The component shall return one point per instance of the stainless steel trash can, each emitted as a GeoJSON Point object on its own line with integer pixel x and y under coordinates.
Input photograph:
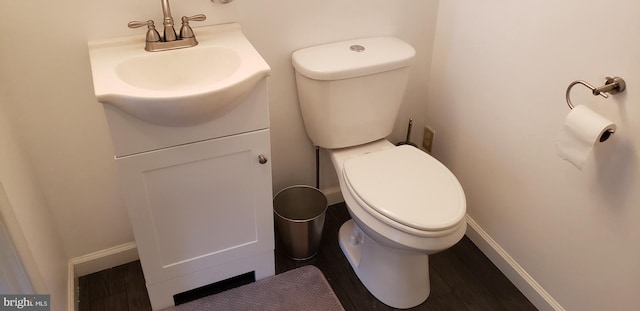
{"type": "Point", "coordinates": [299, 215]}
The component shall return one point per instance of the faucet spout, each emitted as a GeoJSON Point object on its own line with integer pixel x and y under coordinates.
{"type": "Point", "coordinates": [169, 31]}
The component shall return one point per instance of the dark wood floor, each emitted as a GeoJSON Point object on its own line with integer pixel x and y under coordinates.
{"type": "Point", "coordinates": [462, 278]}
{"type": "Point", "coordinates": [119, 288]}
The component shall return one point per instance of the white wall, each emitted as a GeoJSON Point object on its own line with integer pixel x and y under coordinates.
{"type": "Point", "coordinates": [27, 217]}
{"type": "Point", "coordinates": [64, 131]}
{"type": "Point", "coordinates": [499, 74]}
{"type": "Point", "coordinates": [63, 127]}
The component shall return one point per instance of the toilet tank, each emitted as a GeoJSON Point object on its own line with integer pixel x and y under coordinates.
{"type": "Point", "coordinates": [350, 91]}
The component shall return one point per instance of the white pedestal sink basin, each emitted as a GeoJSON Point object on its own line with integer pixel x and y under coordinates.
{"type": "Point", "coordinates": [177, 87]}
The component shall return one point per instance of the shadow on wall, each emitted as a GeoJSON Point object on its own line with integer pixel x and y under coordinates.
{"type": "Point", "coordinates": [616, 168]}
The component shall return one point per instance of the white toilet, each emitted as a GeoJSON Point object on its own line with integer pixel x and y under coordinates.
{"type": "Point", "coordinates": [404, 204]}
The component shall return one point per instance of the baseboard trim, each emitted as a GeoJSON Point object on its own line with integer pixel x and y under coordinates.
{"type": "Point", "coordinates": [94, 262]}
{"type": "Point", "coordinates": [72, 288]}
{"type": "Point", "coordinates": [511, 269]}
{"type": "Point", "coordinates": [333, 194]}
{"type": "Point", "coordinates": [104, 259]}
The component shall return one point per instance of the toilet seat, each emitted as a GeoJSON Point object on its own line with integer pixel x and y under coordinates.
{"type": "Point", "coordinates": [407, 189]}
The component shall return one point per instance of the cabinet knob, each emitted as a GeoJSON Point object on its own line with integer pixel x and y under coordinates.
{"type": "Point", "coordinates": [262, 159]}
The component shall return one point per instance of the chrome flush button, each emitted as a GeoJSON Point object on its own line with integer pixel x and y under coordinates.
{"type": "Point", "coordinates": [357, 48]}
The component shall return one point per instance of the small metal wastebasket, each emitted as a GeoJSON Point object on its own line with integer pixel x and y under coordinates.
{"type": "Point", "coordinates": [299, 215]}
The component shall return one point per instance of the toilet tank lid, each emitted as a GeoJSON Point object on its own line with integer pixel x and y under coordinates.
{"type": "Point", "coordinates": [353, 58]}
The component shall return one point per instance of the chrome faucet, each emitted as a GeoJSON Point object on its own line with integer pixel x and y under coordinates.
{"type": "Point", "coordinates": [170, 40]}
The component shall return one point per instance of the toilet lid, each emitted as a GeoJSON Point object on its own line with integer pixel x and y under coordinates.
{"type": "Point", "coordinates": [408, 186]}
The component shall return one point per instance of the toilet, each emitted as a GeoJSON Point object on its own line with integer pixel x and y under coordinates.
{"type": "Point", "coordinates": [404, 204]}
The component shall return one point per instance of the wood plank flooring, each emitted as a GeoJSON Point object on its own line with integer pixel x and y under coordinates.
{"type": "Point", "coordinates": [462, 278]}
{"type": "Point", "coordinates": [119, 288]}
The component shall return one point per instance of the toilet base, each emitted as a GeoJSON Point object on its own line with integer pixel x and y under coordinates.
{"type": "Point", "coordinates": [398, 278]}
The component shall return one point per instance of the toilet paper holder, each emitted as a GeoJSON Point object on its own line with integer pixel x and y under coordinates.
{"type": "Point", "coordinates": [611, 86]}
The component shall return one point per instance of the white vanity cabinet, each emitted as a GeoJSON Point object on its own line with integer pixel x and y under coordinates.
{"type": "Point", "coordinates": [199, 198]}
{"type": "Point", "coordinates": [190, 131]}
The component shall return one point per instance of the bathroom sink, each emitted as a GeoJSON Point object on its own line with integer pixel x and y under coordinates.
{"type": "Point", "coordinates": [177, 87]}
{"type": "Point", "coordinates": [179, 71]}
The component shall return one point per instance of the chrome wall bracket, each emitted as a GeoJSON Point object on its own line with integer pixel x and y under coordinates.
{"type": "Point", "coordinates": [611, 86]}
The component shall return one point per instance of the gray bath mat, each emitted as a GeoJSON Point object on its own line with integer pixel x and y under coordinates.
{"type": "Point", "coordinates": [304, 288]}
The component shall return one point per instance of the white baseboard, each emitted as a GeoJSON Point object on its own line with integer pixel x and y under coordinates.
{"type": "Point", "coordinates": [94, 262]}
{"type": "Point", "coordinates": [105, 259]}
{"type": "Point", "coordinates": [511, 269]}
{"type": "Point", "coordinates": [333, 194]}
{"type": "Point", "coordinates": [72, 288]}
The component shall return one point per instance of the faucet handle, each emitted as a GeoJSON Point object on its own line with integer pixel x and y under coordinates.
{"type": "Point", "coordinates": [152, 33]}
{"type": "Point", "coordinates": [197, 18]}
{"type": "Point", "coordinates": [185, 30]}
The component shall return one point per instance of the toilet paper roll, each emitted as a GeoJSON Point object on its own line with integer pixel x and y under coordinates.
{"type": "Point", "coordinates": [582, 129]}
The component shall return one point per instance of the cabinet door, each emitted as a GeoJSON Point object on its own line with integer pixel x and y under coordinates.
{"type": "Point", "coordinates": [199, 205]}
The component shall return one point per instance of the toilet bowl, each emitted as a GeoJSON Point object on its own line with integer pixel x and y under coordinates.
{"type": "Point", "coordinates": [404, 204]}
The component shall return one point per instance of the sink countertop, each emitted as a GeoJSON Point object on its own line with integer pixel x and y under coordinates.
{"type": "Point", "coordinates": [178, 87]}
{"type": "Point", "coordinates": [122, 48]}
